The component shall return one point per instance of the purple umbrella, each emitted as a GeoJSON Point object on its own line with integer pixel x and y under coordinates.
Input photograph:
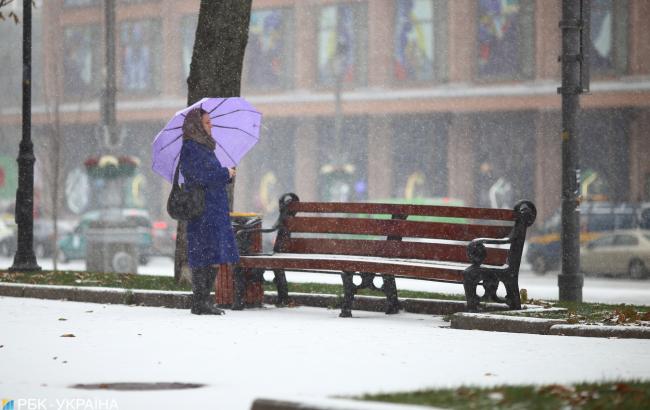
{"type": "Point", "coordinates": [235, 128]}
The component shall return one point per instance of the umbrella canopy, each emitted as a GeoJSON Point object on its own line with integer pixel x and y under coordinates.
{"type": "Point", "coordinates": [235, 129]}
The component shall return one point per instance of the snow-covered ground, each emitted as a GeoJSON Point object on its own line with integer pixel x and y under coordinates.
{"type": "Point", "coordinates": [308, 352]}
{"type": "Point", "coordinates": [605, 290]}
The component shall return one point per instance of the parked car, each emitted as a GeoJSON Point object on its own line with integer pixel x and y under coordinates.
{"type": "Point", "coordinates": [163, 235]}
{"type": "Point", "coordinates": [44, 236]}
{"type": "Point", "coordinates": [625, 252]}
{"type": "Point", "coordinates": [73, 245]}
{"type": "Point", "coordinates": [543, 252]}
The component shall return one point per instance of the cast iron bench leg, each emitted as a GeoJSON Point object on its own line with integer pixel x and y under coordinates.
{"type": "Point", "coordinates": [281, 285]}
{"type": "Point", "coordinates": [390, 290]}
{"type": "Point", "coordinates": [512, 292]}
{"type": "Point", "coordinates": [471, 278]}
{"type": "Point", "coordinates": [348, 296]}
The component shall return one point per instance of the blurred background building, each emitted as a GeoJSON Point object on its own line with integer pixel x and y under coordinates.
{"type": "Point", "coordinates": [370, 99]}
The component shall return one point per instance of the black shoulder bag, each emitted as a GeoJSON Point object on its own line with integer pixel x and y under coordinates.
{"type": "Point", "coordinates": [185, 203]}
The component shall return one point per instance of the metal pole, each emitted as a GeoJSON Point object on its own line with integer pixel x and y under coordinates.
{"type": "Point", "coordinates": [25, 260]}
{"type": "Point", "coordinates": [338, 88]}
{"type": "Point", "coordinates": [570, 281]}
{"type": "Point", "coordinates": [108, 110]}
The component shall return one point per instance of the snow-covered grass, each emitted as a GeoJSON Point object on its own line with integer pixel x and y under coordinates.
{"type": "Point", "coordinates": [276, 352]}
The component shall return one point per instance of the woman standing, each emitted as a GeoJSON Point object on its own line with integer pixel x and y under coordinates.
{"type": "Point", "coordinates": [210, 238]}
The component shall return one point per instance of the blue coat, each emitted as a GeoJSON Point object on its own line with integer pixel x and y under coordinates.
{"type": "Point", "coordinates": [210, 238]}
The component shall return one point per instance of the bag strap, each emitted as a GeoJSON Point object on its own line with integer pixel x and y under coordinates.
{"type": "Point", "coordinates": [175, 183]}
{"type": "Point", "coordinates": [178, 166]}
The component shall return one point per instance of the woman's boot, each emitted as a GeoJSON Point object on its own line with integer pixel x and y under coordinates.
{"type": "Point", "coordinates": [209, 302]}
{"type": "Point", "coordinates": [201, 305]}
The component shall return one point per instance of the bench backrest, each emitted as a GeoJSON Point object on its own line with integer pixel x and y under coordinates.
{"type": "Point", "coordinates": [391, 230]}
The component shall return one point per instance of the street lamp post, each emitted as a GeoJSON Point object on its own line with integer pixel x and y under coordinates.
{"type": "Point", "coordinates": [575, 80]}
{"type": "Point", "coordinates": [108, 119]}
{"type": "Point", "coordinates": [25, 260]}
{"type": "Point", "coordinates": [338, 89]}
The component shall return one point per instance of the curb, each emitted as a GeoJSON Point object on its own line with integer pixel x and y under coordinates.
{"type": "Point", "coordinates": [459, 319]}
{"type": "Point", "coordinates": [377, 303]}
{"type": "Point", "coordinates": [330, 404]}
{"type": "Point", "coordinates": [116, 296]}
{"type": "Point", "coordinates": [182, 300]}
{"type": "Point", "coordinates": [618, 332]}
{"type": "Point", "coordinates": [556, 327]}
{"type": "Point", "coordinates": [501, 323]}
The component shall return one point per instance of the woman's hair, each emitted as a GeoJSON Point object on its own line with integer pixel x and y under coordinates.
{"type": "Point", "coordinates": [193, 129]}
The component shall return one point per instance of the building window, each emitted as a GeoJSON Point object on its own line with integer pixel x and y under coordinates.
{"type": "Point", "coordinates": [505, 39]}
{"type": "Point", "coordinates": [342, 44]}
{"type": "Point", "coordinates": [268, 51]}
{"type": "Point", "coordinates": [140, 56]}
{"type": "Point", "coordinates": [420, 37]}
{"type": "Point", "coordinates": [81, 61]}
{"type": "Point", "coordinates": [188, 33]}
{"type": "Point", "coordinates": [608, 36]}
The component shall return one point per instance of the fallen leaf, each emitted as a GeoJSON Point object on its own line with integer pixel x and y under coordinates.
{"type": "Point", "coordinates": [68, 335]}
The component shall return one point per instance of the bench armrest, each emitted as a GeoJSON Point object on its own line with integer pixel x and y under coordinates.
{"type": "Point", "coordinates": [252, 230]}
{"type": "Point", "coordinates": [476, 251]}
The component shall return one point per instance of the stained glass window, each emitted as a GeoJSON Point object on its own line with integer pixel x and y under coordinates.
{"type": "Point", "coordinates": [81, 60]}
{"type": "Point", "coordinates": [414, 40]}
{"type": "Point", "coordinates": [504, 38]}
{"type": "Point", "coordinates": [341, 44]}
{"type": "Point", "coordinates": [139, 55]}
{"type": "Point", "coordinates": [267, 52]}
{"type": "Point", "coordinates": [608, 45]}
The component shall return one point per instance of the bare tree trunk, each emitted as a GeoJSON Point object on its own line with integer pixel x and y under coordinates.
{"type": "Point", "coordinates": [215, 71]}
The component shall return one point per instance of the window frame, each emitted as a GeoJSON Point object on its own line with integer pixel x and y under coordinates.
{"type": "Point", "coordinates": [360, 8]}
{"type": "Point", "coordinates": [526, 48]}
{"type": "Point", "coordinates": [94, 88]}
{"type": "Point", "coordinates": [287, 79]}
{"type": "Point", "coordinates": [440, 40]}
{"type": "Point", "coordinates": [620, 42]}
{"type": "Point", "coordinates": [156, 86]}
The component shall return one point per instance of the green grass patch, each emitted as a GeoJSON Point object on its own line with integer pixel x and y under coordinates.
{"type": "Point", "coordinates": [610, 395]}
{"type": "Point", "coordinates": [151, 282]}
{"type": "Point", "coordinates": [589, 313]}
{"type": "Point", "coordinates": [82, 278]}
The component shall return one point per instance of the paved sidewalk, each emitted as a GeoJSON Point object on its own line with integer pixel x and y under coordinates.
{"type": "Point", "coordinates": [271, 352]}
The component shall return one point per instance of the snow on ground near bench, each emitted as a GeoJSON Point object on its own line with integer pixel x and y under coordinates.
{"type": "Point", "coordinates": [276, 352]}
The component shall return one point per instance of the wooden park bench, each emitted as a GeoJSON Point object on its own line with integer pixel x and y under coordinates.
{"type": "Point", "coordinates": [472, 246]}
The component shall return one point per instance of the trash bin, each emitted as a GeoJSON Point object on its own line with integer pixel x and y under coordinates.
{"type": "Point", "coordinates": [247, 243]}
{"type": "Point", "coordinates": [112, 246]}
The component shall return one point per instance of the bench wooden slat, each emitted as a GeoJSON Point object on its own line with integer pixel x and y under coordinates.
{"type": "Point", "coordinates": [433, 272]}
{"type": "Point", "coordinates": [389, 249]}
{"type": "Point", "coordinates": [395, 209]}
{"type": "Point", "coordinates": [393, 227]}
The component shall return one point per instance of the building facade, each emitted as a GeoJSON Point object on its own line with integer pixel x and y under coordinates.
{"type": "Point", "coordinates": [369, 99]}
